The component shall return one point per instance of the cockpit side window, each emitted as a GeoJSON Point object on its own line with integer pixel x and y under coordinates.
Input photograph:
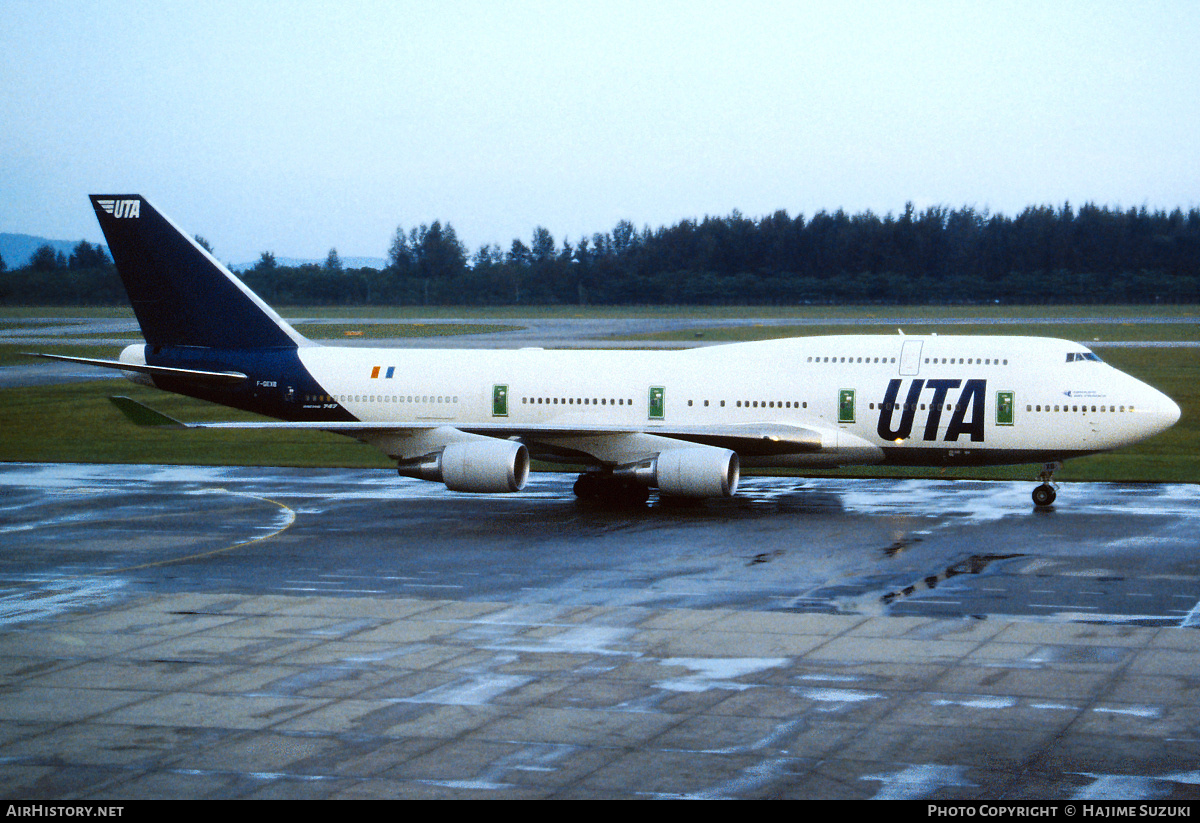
{"type": "Point", "coordinates": [1076, 357]}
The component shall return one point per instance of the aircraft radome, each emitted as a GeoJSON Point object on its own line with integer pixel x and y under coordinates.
{"type": "Point", "coordinates": [684, 422]}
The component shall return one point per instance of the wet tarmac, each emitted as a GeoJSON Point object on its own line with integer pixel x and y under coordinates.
{"type": "Point", "coordinates": [204, 632]}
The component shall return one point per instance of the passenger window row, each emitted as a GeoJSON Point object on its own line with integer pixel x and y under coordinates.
{"type": "Point", "coordinates": [576, 401]}
{"type": "Point", "coordinates": [967, 361]}
{"type": "Point", "coordinates": [961, 361]}
{"type": "Point", "coordinates": [1047, 407]}
{"type": "Point", "coordinates": [851, 360]}
{"type": "Point", "coordinates": [761, 404]}
{"type": "Point", "coordinates": [395, 398]}
{"type": "Point", "coordinates": [585, 401]}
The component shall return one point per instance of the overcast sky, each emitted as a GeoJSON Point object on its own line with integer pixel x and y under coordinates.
{"type": "Point", "coordinates": [294, 126]}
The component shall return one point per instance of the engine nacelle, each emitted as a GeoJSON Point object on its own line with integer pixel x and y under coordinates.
{"type": "Point", "coordinates": [699, 471]}
{"type": "Point", "coordinates": [487, 466]}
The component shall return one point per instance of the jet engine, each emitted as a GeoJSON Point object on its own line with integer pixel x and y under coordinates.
{"type": "Point", "coordinates": [475, 466]}
{"type": "Point", "coordinates": [698, 471]}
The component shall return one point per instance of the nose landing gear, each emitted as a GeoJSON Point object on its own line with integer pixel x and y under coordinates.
{"type": "Point", "coordinates": [1044, 495]}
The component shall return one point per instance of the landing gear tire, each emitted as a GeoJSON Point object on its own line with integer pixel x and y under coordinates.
{"type": "Point", "coordinates": [604, 488]}
{"type": "Point", "coordinates": [1044, 495]}
{"type": "Point", "coordinates": [588, 485]}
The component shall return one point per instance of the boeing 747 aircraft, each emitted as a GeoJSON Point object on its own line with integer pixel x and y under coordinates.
{"type": "Point", "coordinates": [684, 422]}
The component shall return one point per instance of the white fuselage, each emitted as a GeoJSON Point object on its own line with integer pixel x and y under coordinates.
{"type": "Point", "coordinates": [919, 400]}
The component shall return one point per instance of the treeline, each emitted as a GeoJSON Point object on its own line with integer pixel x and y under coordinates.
{"type": "Point", "coordinates": [85, 277]}
{"type": "Point", "coordinates": [938, 255]}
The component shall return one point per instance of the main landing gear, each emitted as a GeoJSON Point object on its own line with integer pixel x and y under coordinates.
{"type": "Point", "coordinates": [1044, 495]}
{"type": "Point", "coordinates": [604, 487]}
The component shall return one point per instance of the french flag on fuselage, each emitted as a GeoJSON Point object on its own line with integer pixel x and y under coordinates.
{"type": "Point", "coordinates": [391, 371]}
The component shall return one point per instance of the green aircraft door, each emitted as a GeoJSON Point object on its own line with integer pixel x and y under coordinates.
{"type": "Point", "coordinates": [658, 402]}
{"type": "Point", "coordinates": [499, 401]}
{"type": "Point", "coordinates": [846, 406]}
{"type": "Point", "coordinates": [1004, 408]}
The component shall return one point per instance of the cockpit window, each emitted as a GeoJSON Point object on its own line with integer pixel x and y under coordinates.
{"type": "Point", "coordinates": [1075, 357]}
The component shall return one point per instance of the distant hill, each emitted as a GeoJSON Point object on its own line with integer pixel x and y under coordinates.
{"type": "Point", "coordinates": [291, 262]}
{"type": "Point", "coordinates": [16, 249]}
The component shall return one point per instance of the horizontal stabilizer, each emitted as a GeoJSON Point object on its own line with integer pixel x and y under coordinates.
{"type": "Point", "coordinates": [194, 375]}
{"type": "Point", "coordinates": [144, 415]}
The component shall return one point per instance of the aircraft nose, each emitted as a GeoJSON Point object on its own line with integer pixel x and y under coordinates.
{"type": "Point", "coordinates": [1164, 412]}
{"type": "Point", "coordinates": [1152, 413]}
{"type": "Point", "coordinates": [1171, 412]}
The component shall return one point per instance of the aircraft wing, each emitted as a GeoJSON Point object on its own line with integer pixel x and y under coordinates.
{"type": "Point", "coordinates": [759, 439]}
{"type": "Point", "coordinates": [750, 439]}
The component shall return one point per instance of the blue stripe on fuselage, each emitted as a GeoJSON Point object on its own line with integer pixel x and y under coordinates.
{"type": "Point", "coordinates": [277, 385]}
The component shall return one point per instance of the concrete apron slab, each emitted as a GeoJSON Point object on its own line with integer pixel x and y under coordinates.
{"type": "Point", "coordinates": [222, 696]}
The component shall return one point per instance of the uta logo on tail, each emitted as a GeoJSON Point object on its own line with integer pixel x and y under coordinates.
{"type": "Point", "coordinates": [122, 208]}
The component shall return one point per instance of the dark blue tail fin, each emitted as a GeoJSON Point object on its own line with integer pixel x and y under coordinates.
{"type": "Point", "coordinates": [181, 295]}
